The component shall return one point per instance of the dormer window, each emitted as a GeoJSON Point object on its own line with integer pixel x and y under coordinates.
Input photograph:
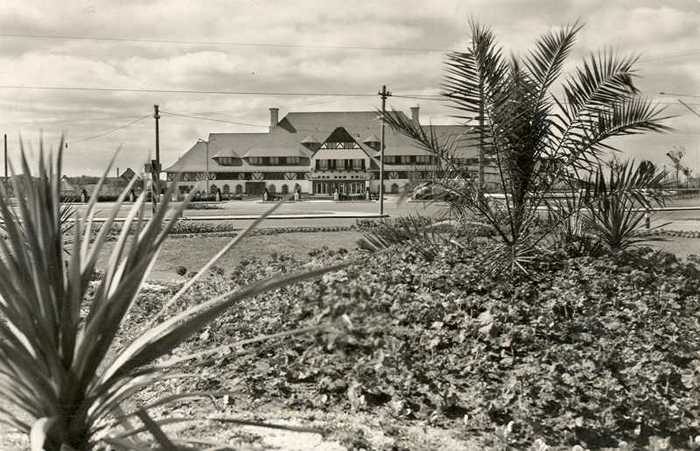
{"type": "Point", "coordinates": [311, 143]}
{"type": "Point", "coordinates": [226, 161]}
{"type": "Point", "coordinates": [371, 141]}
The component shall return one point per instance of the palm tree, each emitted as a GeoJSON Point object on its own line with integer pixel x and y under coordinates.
{"type": "Point", "coordinates": [676, 155]}
{"type": "Point", "coordinates": [537, 139]}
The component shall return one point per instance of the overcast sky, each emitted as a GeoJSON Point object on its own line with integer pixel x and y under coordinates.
{"type": "Point", "coordinates": [295, 46]}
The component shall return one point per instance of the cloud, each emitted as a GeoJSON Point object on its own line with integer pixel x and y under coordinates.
{"type": "Point", "coordinates": [665, 34]}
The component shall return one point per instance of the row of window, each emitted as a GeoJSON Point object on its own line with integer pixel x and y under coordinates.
{"type": "Point", "coordinates": [299, 161]}
{"type": "Point", "coordinates": [340, 165]}
{"type": "Point", "coordinates": [240, 188]}
{"type": "Point", "coordinates": [264, 161]}
{"type": "Point", "coordinates": [330, 188]}
{"type": "Point", "coordinates": [273, 161]}
{"type": "Point", "coordinates": [408, 159]}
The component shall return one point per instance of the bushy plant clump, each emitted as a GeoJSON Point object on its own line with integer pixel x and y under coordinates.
{"type": "Point", "coordinates": [587, 350]}
{"type": "Point", "coordinates": [189, 228]}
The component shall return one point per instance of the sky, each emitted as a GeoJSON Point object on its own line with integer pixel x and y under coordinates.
{"type": "Point", "coordinates": [296, 47]}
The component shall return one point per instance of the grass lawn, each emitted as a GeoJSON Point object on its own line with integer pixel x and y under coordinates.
{"type": "Point", "coordinates": [682, 247]}
{"type": "Point", "coordinates": [193, 253]}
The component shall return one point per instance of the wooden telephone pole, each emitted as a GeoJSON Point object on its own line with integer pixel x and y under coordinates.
{"type": "Point", "coordinates": [155, 165]}
{"type": "Point", "coordinates": [5, 146]}
{"type": "Point", "coordinates": [383, 94]}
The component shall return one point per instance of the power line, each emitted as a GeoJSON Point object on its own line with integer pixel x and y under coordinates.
{"type": "Point", "coordinates": [211, 119]}
{"type": "Point", "coordinates": [52, 122]}
{"type": "Point", "coordinates": [108, 132]}
{"type": "Point", "coordinates": [421, 97]}
{"type": "Point", "coordinates": [219, 43]}
{"type": "Point", "coordinates": [186, 91]}
{"type": "Point", "coordinates": [428, 97]}
{"type": "Point", "coordinates": [673, 94]}
{"type": "Point", "coordinates": [666, 55]}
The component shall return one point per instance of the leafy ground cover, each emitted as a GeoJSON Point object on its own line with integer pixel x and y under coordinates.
{"type": "Point", "coordinates": [584, 351]}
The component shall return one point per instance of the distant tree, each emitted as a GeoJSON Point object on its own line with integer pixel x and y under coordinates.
{"type": "Point", "coordinates": [676, 156]}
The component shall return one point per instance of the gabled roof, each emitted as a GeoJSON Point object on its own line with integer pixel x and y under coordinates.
{"type": "Point", "coordinates": [234, 144]}
{"type": "Point", "coordinates": [295, 129]}
{"type": "Point", "coordinates": [322, 124]}
{"type": "Point", "coordinates": [340, 154]}
{"type": "Point", "coordinates": [266, 151]}
{"type": "Point", "coordinates": [192, 160]}
{"type": "Point", "coordinates": [340, 134]}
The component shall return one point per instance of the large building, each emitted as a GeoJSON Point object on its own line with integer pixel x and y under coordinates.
{"type": "Point", "coordinates": [315, 153]}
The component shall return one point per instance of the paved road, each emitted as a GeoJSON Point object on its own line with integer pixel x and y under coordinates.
{"type": "Point", "coordinates": [330, 213]}
{"type": "Point", "coordinates": [305, 213]}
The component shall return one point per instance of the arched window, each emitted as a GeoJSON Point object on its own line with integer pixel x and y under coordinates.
{"type": "Point", "coordinates": [271, 188]}
{"type": "Point", "coordinates": [239, 189]}
{"type": "Point", "coordinates": [285, 189]}
{"type": "Point", "coordinates": [226, 189]}
{"type": "Point", "coordinates": [213, 189]}
{"type": "Point", "coordinates": [394, 188]}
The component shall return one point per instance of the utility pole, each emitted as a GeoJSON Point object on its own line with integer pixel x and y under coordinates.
{"type": "Point", "coordinates": [5, 141]}
{"type": "Point", "coordinates": [383, 94]}
{"type": "Point", "coordinates": [207, 172]}
{"type": "Point", "coordinates": [156, 116]}
{"type": "Point", "coordinates": [155, 170]}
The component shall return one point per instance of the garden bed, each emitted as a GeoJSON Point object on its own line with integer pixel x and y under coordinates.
{"type": "Point", "coordinates": [585, 351]}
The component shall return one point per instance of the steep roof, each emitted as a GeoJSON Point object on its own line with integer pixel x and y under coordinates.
{"type": "Point", "coordinates": [321, 124]}
{"type": "Point", "coordinates": [263, 150]}
{"type": "Point", "coordinates": [340, 154]}
{"type": "Point", "coordinates": [296, 127]}
{"type": "Point", "coordinates": [192, 160]}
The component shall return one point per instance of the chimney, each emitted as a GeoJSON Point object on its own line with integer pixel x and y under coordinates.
{"type": "Point", "coordinates": [415, 114]}
{"type": "Point", "coordinates": [274, 117]}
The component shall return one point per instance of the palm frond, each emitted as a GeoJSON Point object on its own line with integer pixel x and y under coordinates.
{"type": "Point", "coordinates": [546, 60]}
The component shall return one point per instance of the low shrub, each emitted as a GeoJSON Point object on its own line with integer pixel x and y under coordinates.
{"type": "Point", "coordinates": [204, 206]}
{"type": "Point", "coordinates": [181, 271]}
{"type": "Point", "coordinates": [589, 351]}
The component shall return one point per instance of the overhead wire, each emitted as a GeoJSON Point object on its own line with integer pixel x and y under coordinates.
{"type": "Point", "coordinates": [109, 132]}
{"type": "Point", "coordinates": [188, 91]}
{"type": "Point", "coordinates": [205, 118]}
{"type": "Point", "coordinates": [219, 43]}
{"type": "Point", "coordinates": [651, 57]}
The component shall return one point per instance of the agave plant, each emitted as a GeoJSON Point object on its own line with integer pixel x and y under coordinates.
{"type": "Point", "coordinates": [617, 199]}
{"type": "Point", "coordinates": [62, 378]}
{"type": "Point", "coordinates": [66, 209]}
{"type": "Point", "coordinates": [535, 138]}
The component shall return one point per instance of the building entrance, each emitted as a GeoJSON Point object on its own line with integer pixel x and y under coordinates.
{"type": "Point", "coordinates": [327, 188]}
{"type": "Point", "coordinates": [254, 188]}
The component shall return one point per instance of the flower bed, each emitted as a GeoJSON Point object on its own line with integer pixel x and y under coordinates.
{"type": "Point", "coordinates": [587, 351]}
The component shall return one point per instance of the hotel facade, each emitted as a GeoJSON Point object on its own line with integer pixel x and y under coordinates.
{"type": "Point", "coordinates": [314, 153]}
